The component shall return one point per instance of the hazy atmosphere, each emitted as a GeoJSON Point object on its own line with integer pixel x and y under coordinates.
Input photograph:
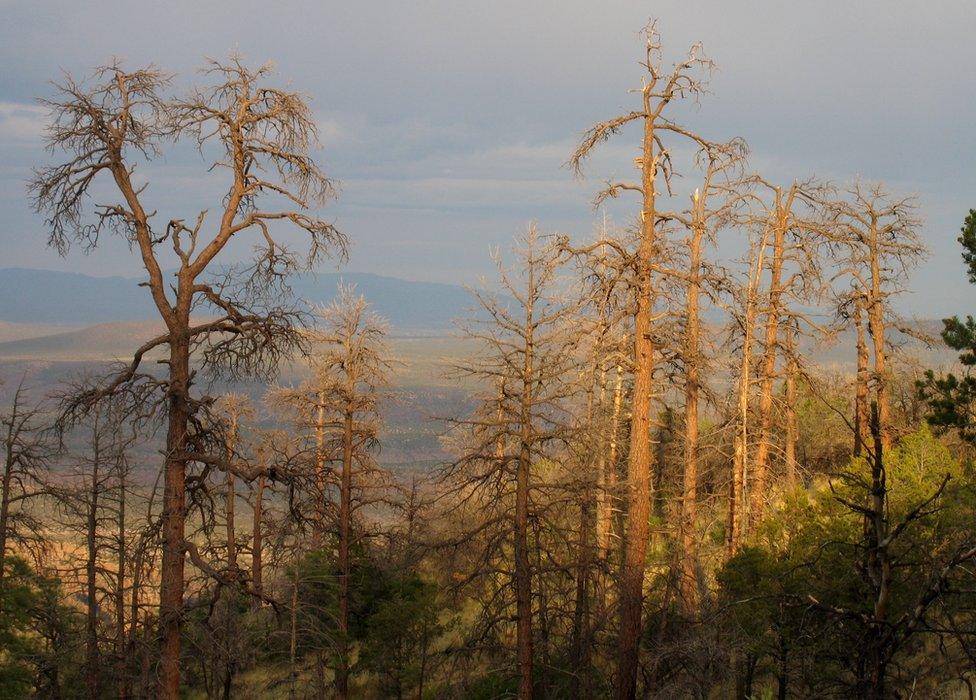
{"type": "Point", "coordinates": [448, 124]}
{"type": "Point", "coordinates": [539, 350]}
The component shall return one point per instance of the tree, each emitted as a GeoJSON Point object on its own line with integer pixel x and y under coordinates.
{"type": "Point", "coordinates": [950, 398]}
{"type": "Point", "coordinates": [846, 581]}
{"type": "Point", "coordinates": [712, 208]}
{"type": "Point", "coordinates": [746, 309]}
{"type": "Point", "coordinates": [878, 245]}
{"type": "Point", "coordinates": [233, 409]}
{"type": "Point", "coordinates": [659, 89]}
{"type": "Point", "coordinates": [262, 137]}
{"type": "Point", "coordinates": [27, 454]}
{"type": "Point", "coordinates": [39, 634]}
{"type": "Point", "coordinates": [794, 281]}
{"type": "Point", "coordinates": [350, 371]}
{"type": "Point", "coordinates": [98, 506]}
{"type": "Point", "coordinates": [495, 481]}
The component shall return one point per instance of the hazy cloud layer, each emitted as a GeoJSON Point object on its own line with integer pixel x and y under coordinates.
{"type": "Point", "coordinates": [448, 123]}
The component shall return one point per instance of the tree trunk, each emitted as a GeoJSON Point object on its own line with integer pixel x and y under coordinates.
{"type": "Point", "coordinates": [293, 640]}
{"type": "Point", "coordinates": [145, 676]}
{"type": "Point", "coordinates": [8, 466]}
{"type": "Point", "coordinates": [257, 544]}
{"type": "Point", "coordinates": [740, 460]}
{"type": "Point", "coordinates": [876, 326]}
{"type": "Point", "coordinates": [120, 637]}
{"type": "Point", "coordinates": [8, 472]}
{"type": "Point", "coordinates": [345, 529]}
{"type": "Point", "coordinates": [132, 640]}
{"type": "Point", "coordinates": [879, 566]}
{"type": "Point", "coordinates": [320, 462]}
{"type": "Point", "coordinates": [768, 373]}
{"type": "Point", "coordinates": [862, 379]}
{"type": "Point", "coordinates": [607, 495]}
{"type": "Point", "coordinates": [231, 498]}
{"type": "Point", "coordinates": [173, 518]}
{"type": "Point", "coordinates": [741, 446]}
{"type": "Point", "coordinates": [688, 564]}
{"type": "Point", "coordinates": [581, 606]}
{"type": "Point", "coordinates": [581, 609]}
{"type": "Point", "coordinates": [92, 674]}
{"type": "Point", "coordinates": [523, 573]}
{"type": "Point", "coordinates": [631, 593]}
{"type": "Point", "coordinates": [230, 629]}
{"type": "Point", "coordinates": [792, 431]}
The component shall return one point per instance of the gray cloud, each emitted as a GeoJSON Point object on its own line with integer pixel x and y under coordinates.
{"type": "Point", "coordinates": [448, 122]}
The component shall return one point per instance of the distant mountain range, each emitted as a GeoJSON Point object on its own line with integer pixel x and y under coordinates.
{"type": "Point", "coordinates": [49, 297]}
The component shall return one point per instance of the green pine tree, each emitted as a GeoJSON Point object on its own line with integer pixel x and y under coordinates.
{"type": "Point", "coordinates": [951, 398]}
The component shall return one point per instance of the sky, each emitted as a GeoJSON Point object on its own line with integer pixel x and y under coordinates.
{"type": "Point", "coordinates": [448, 123]}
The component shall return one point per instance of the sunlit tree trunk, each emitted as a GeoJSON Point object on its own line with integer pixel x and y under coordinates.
{"type": "Point", "coordinates": [688, 564]}
{"type": "Point", "coordinates": [607, 494]}
{"type": "Point", "coordinates": [345, 530]}
{"type": "Point", "coordinates": [876, 327]}
{"type": "Point", "coordinates": [523, 572]}
{"type": "Point", "coordinates": [768, 367]}
{"type": "Point", "coordinates": [791, 429]}
{"type": "Point", "coordinates": [639, 463]}
{"type": "Point", "coordinates": [740, 458]}
{"type": "Point", "coordinates": [862, 380]}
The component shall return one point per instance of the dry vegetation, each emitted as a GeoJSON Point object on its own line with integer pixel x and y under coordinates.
{"type": "Point", "coordinates": [660, 490]}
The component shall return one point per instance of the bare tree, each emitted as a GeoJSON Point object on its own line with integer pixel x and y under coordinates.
{"type": "Point", "coordinates": [261, 136]}
{"type": "Point", "coordinates": [233, 409]}
{"type": "Point", "coordinates": [744, 311]}
{"type": "Point", "coordinates": [797, 237]}
{"type": "Point", "coordinates": [350, 371]}
{"type": "Point", "coordinates": [712, 208]}
{"type": "Point", "coordinates": [524, 362]}
{"type": "Point", "coordinates": [27, 454]}
{"type": "Point", "coordinates": [878, 245]}
{"type": "Point", "coordinates": [97, 507]}
{"type": "Point", "coordinates": [659, 89]}
{"type": "Point", "coordinates": [354, 362]}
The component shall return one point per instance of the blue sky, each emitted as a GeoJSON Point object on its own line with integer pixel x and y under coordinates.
{"type": "Point", "coordinates": [448, 123]}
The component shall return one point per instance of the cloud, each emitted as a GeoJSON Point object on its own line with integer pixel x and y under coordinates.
{"type": "Point", "coordinates": [21, 122]}
{"type": "Point", "coordinates": [331, 131]}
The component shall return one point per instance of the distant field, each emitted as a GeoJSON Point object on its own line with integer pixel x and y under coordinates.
{"type": "Point", "coordinates": [422, 394]}
{"type": "Point", "coordinates": [424, 390]}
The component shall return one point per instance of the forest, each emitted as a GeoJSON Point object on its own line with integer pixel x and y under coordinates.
{"type": "Point", "coordinates": [658, 485]}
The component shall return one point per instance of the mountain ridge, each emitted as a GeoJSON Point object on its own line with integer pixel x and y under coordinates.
{"type": "Point", "coordinates": [56, 297]}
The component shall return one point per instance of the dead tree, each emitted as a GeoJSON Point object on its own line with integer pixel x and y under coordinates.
{"type": "Point", "coordinates": [606, 308]}
{"type": "Point", "coordinates": [350, 368]}
{"type": "Point", "coordinates": [862, 378]}
{"type": "Point", "coordinates": [232, 409]}
{"type": "Point", "coordinates": [878, 244]}
{"type": "Point", "coordinates": [658, 90]}
{"type": "Point", "coordinates": [713, 207]}
{"type": "Point", "coordinates": [744, 309]}
{"type": "Point", "coordinates": [791, 429]}
{"type": "Point", "coordinates": [797, 235]}
{"type": "Point", "coordinates": [27, 454]}
{"type": "Point", "coordinates": [354, 360]}
{"type": "Point", "coordinates": [493, 486]}
{"type": "Point", "coordinates": [261, 137]}
{"type": "Point", "coordinates": [265, 450]}
{"type": "Point", "coordinates": [95, 505]}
